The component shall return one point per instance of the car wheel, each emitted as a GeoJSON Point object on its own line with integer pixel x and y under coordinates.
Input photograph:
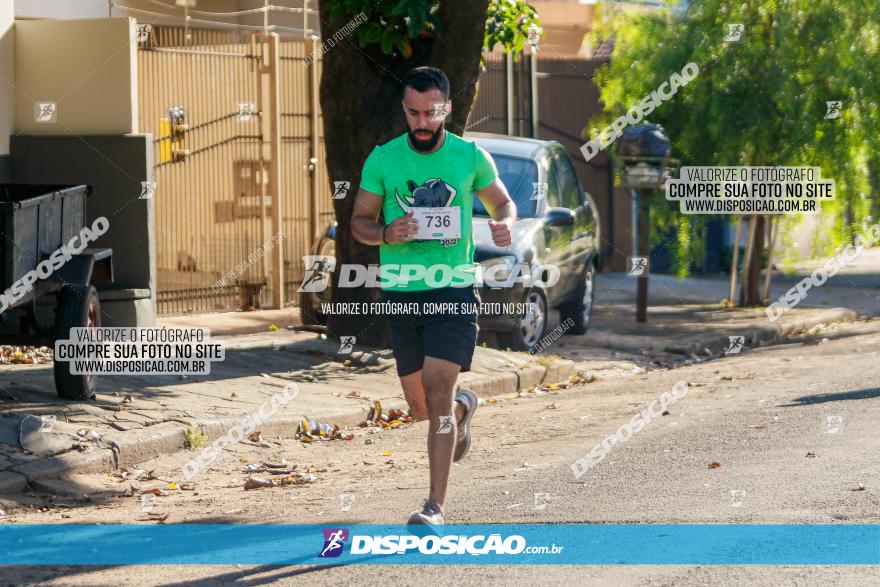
{"type": "Point", "coordinates": [310, 302]}
{"type": "Point", "coordinates": [308, 310]}
{"type": "Point", "coordinates": [78, 307]}
{"type": "Point", "coordinates": [580, 310]}
{"type": "Point", "coordinates": [532, 325]}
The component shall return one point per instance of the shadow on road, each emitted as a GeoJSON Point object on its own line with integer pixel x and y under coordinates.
{"type": "Point", "coordinates": [823, 398]}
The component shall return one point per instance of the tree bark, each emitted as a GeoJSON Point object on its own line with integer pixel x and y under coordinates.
{"type": "Point", "coordinates": [361, 92]}
{"type": "Point", "coordinates": [458, 52]}
{"type": "Point", "coordinates": [751, 287]}
{"type": "Point", "coordinates": [773, 229]}
{"type": "Point", "coordinates": [734, 262]}
{"type": "Point", "coordinates": [874, 185]}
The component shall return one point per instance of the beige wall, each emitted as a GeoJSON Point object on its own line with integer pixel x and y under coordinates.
{"type": "Point", "coordinates": [289, 23]}
{"type": "Point", "coordinates": [61, 8]}
{"type": "Point", "coordinates": [88, 67]}
{"type": "Point", "coordinates": [565, 24]}
{"type": "Point", "coordinates": [7, 70]}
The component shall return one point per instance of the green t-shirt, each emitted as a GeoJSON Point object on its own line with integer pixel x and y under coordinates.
{"type": "Point", "coordinates": [453, 173]}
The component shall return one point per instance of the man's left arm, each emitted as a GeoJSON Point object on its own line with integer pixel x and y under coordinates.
{"type": "Point", "coordinates": [494, 196]}
{"type": "Point", "coordinates": [502, 210]}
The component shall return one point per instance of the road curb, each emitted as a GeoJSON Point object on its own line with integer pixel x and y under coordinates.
{"type": "Point", "coordinates": [753, 335]}
{"type": "Point", "coordinates": [94, 461]}
{"type": "Point", "coordinates": [12, 482]}
{"type": "Point", "coordinates": [830, 316]}
{"type": "Point", "coordinates": [531, 375]}
{"type": "Point", "coordinates": [141, 444]}
{"type": "Point", "coordinates": [488, 385]}
{"type": "Point", "coordinates": [558, 371]}
{"type": "Point", "coordinates": [773, 332]}
{"type": "Point", "coordinates": [138, 445]}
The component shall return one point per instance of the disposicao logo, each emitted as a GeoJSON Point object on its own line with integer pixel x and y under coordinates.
{"type": "Point", "coordinates": [334, 541]}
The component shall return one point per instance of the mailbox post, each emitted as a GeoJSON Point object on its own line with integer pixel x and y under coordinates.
{"type": "Point", "coordinates": [643, 156]}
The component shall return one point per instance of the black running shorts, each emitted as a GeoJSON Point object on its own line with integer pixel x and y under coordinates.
{"type": "Point", "coordinates": [445, 335]}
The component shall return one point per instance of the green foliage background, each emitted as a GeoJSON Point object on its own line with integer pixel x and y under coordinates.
{"type": "Point", "coordinates": [394, 25]}
{"type": "Point", "coordinates": [761, 101]}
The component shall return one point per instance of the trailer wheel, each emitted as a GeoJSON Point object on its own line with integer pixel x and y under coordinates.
{"type": "Point", "coordinates": [78, 307]}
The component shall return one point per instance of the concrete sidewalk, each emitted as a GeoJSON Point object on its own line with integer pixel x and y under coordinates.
{"type": "Point", "coordinates": [137, 418]}
{"type": "Point", "coordinates": [686, 316]}
{"type": "Point", "coordinates": [856, 286]}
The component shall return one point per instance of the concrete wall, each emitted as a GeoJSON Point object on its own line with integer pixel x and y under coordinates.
{"type": "Point", "coordinates": [565, 23]}
{"type": "Point", "coordinates": [149, 12]}
{"type": "Point", "coordinates": [88, 67]}
{"type": "Point", "coordinates": [114, 166]}
{"type": "Point", "coordinates": [62, 8]}
{"type": "Point", "coordinates": [7, 84]}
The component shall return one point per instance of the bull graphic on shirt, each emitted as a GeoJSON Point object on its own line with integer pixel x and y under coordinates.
{"type": "Point", "coordinates": [434, 193]}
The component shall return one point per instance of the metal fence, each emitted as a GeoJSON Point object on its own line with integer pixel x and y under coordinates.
{"type": "Point", "coordinates": [202, 96]}
{"type": "Point", "coordinates": [308, 207]}
{"type": "Point", "coordinates": [504, 97]}
{"type": "Point", "coordinates": [204, 193]}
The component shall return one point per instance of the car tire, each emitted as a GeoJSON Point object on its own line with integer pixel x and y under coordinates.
{"type": "Point", "coordinates": [580, 310]}
{"type": "Point", "coordinates": [533, 325]}
{"type": "Point", "coordinates": [309, 302]}
{"type": "Point", "coordinates": [78, 307]}
{"type": "Point", "coordinates": [308, 312]}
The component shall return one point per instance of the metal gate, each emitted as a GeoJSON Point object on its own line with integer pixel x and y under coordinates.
{"type": "Point", "coordinates": [221, 107]}
{"type": "Point", "coordinates": [503, 104]}
{"type": "Point", "coordinates": [308, 203]}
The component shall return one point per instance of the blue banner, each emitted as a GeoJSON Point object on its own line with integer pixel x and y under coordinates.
{"type": "Point", "coordinates": [584, 544]}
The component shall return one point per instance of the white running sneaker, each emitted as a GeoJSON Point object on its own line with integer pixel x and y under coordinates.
{"type": "Point", "coordinates": [469, 400]}
{"type": "Point", "coordinates": [431, 515]}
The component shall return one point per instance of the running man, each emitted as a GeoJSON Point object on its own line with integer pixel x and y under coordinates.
{"type": "Point", "coordinates": [430, 166]}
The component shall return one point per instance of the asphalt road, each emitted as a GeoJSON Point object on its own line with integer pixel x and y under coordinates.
{"type": "Point", "coordinates": [794, 429]}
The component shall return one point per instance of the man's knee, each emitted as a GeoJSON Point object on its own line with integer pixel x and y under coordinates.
{"type": "Point", "coordinates": [438, 396]}
{"type": "Point", "coordinates": [439, 373]}
{"type": "Point", "coordinates": [438, 389]}
{"type": "Point", "coordinates": [440, 406]}
{"type": "Point", "coordinates": [438, 381]}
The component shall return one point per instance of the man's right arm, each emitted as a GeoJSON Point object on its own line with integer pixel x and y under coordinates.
{"type": "Point", "coordinates": [366, 228]}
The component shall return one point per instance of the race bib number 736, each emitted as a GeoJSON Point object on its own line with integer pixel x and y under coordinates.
{"type": "Point", "coordinates": [441, 223]}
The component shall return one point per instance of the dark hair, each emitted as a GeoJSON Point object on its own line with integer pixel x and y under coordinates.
{"type": "Point", "coordinates": [424, 78]}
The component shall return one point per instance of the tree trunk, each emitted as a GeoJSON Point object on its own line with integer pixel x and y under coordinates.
{"type": "Point", "coordinates": [734, 262]}
{"type": "Point", "coordinates": [874, 185]}
{"type": "Point", "coordinates": [361, 94]}
{"type": "Point", "coordinates": [751, 286]}
{"type": "Point", "coordinates": [773, 230]}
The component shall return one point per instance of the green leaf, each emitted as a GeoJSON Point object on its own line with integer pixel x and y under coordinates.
{"type": "Point", "coordinates": [405, 47]}
{"type": "Point", "coordinates": [508, 24]}
{"type": "Point", "coordinates": [388, 39]}
{"type": "Point", "coordinates": [372, 33]}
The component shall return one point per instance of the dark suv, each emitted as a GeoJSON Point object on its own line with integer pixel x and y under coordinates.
{"type": "Point", "coordinates": [557, 226]}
